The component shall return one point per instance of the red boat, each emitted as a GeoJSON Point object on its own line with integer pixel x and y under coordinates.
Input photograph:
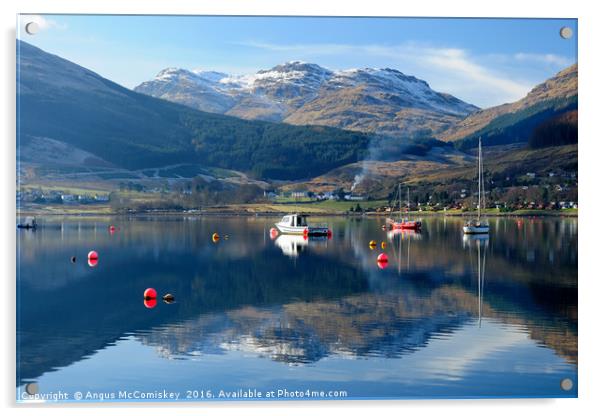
{"type": "Point", "coordinates": [404, 223]}
{"type": "Point", "coordinates": [407, 225]}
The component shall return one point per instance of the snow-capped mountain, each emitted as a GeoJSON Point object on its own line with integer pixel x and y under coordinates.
{"type": "Point", "coordinates": [196, 89]}
{"type": "Point", "coordinates": [371, 100]}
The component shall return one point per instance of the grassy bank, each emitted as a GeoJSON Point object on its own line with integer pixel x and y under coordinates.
{"type": "Point", "coordinates": [315, 208]}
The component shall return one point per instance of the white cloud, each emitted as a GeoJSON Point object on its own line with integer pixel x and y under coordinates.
{"type": "Point", "coordinates": [470, 77]}
{"type": "Point", "coordinates": [460, 66]}
{"type": "Point", "coordinates": [547, 58]}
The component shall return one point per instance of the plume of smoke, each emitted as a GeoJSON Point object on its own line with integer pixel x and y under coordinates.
{"type": "Point", "coordinates": [381, 148]}
{"type": "Point", "coordinates": [358, 178]}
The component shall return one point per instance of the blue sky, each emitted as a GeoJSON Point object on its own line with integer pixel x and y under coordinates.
{"type": "Point", "coordinates": [483, 61]}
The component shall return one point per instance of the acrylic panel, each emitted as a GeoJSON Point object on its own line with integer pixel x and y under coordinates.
{"type": "Point", "coordinates": [215, 208]}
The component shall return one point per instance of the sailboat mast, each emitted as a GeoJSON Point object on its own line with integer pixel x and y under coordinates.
{"type": "Point", "coordinates": [482, 182]}
{"type": "Point", "coordinates": [399, 196]}
{"type": "Point", "coordinates": [408, 200]}
{"type": "Point", "coordinates": [480, 179]}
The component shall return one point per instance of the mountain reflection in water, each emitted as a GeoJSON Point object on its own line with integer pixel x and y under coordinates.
{"type": "Point", "coordinates": [302, 303]}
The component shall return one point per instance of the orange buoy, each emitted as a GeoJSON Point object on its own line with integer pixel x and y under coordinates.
{"type": "Point", "coordinates": [273, 233]}
{"type": "Point", "coordinates": [215, 237]}
{"type": "Point", "coordinates": [150, 293]}
{"type": "Point", "coordinates": [150, 303]}
{"type": "Point", "coordinates": [382, 258]}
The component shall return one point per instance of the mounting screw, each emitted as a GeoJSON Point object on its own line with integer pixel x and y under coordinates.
{"type": "Point", "coordinates": [566, 384]}
{"type": "Point", "coordinates": [32, 28]}
{"type": "Point", "coordinates": [566, 32]}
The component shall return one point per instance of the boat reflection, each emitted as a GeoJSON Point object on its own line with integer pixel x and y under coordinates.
{"type": "Point", "coordinates": [293, 245]}
{"type": "Point", "coordinates": [404, 234]}
{"type": "Point", "coordinates": [481, 242]}
{"type": "Point", "coordinates": [470, 240]}
{"type": "Point", "coordinates": [397, 237]}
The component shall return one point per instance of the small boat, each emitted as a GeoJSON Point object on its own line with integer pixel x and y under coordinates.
{"type": "Point", "coordinates": [28, 223]}
{"type": "Point", "coordinates": [404, 223]}
{"type": "Point", "coordinates": [297, 224]}
{"type": "Point", "coordinates": [478, 226]}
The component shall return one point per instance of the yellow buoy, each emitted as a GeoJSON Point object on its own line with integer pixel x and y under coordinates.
{"type": "Point", "coordinates": [215, 237]}
{"type": "Point", "coordinates": [383, 245]}
{"type": "Point", "coordinates": [372, 244]}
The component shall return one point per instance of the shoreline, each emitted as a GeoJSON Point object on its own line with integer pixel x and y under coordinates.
{"type": "Point", "coordinates": [273, 214]}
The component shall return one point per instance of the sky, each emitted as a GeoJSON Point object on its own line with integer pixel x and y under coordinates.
{"type": "Point", "coordinates": [485, 62]}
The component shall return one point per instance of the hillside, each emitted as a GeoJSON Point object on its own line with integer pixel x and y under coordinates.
{"type": "Point", "coordinates": [59, 101]}
{"type": "Point", "coordinates": [382, 101]}
{"type": "Point", "coordinates": [515, 122]}
{"type": "Point", "coordinates": [448, 171]}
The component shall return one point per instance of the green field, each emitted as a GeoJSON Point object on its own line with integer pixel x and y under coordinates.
{"type": "Point", "coordinates": [331, 205]}
{"type": "Point", "coordinates": [71, 188]}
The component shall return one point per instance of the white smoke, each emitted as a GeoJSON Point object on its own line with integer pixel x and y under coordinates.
{"type": "Point", "coordinates": [357, 180]}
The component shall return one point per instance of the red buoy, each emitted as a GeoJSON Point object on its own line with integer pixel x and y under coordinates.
{"type": "Point", "coordinates": [150, 303]}
{"type": "Point", "coordinates": [306, 231]}
{"type": "Point", "coordinates": [92, 262]}
{"type": "Point", "coordinates": [150, 293]}
{"type": "Point", "coordinates": [92, 255]}
{"type": "Point", "coordinates": [273, 233]}
{"type": "Point", "coordinates": [111, 229]}
{"type": "Point", "coordinates": [382, 264]}
{"type": "Point", "coordinates": [329, 234]}
{"type": "Point", "coordinates": [382, 258]}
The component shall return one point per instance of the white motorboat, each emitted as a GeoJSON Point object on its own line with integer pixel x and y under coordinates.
{"type": "Point", "coordinates": [297, 224]}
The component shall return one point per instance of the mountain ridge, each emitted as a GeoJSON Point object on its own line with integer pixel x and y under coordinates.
{"type": "Point", "coordinates": [59, 100]}
{"type": "Point", "coordinates": [555, 95]}
{"type": "Point", "coordinates": [380, 101]}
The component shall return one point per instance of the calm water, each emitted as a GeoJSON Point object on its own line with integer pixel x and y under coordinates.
{"type": "Point", "coordinates": [303, 316]}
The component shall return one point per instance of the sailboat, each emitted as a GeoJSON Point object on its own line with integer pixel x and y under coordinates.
{"type": "Point", "coordinates": [404, 223]}
{"type": "Point", "coordinates": [478, 226]}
